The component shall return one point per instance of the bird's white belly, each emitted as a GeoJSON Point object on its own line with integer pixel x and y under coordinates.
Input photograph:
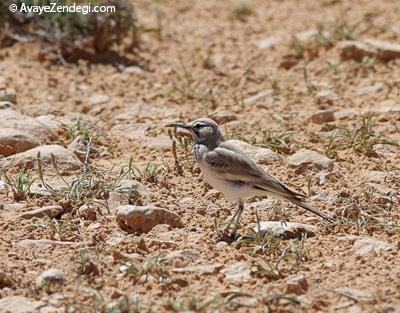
{"type": "Point", "coordinates": [233, 192]}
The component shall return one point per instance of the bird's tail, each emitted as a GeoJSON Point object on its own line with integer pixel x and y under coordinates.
{"type": "Point", "coordinates": [311, 209]}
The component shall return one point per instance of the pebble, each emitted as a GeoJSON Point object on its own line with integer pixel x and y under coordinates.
{"type": "Point", "coordinates": [322, 117]}
{"type": "Point", "coordinates": [371, 247]}
{"type": "Point", "coordinates": [52, 211]}
{"type": "Point", "coordinates": [238, 272]}
{"type": "Point", "coordinates": [288, 230]}
{"type": "Point", "coordinates": [296, 284]}
{"type": "Point", "coordinates": [50, 276]}
{"type": "Point", "coordinates": [141, 219]}
{"type": "Point", "coordinates": [310, 160]}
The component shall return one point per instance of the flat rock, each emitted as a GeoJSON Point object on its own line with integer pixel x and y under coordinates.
{"type": "Point", "coordinates": [238, 272]}
{"type": "Point", "coordinates": [141, 219]}
{"type": "Point", "coordinates": [256, 154]}
{"type": "Point", "coordinates": [310, 160]}
{"type": "Point", "coordinates": [369, 90]}
{"type": "Point", "coordinates": [322, 117]}
{"type": "Point", "coordinates": [296, 284]}
{"type": "Point", "coordinates": [50, 276]}
{"type": "Point", "coordinates": [357, 50]}
{"type": "Point", "coordinates": [13, 141]}
{"type": "Point", "coordinates": [269, 42]}
{"type": "Point", "coordinates": [355, 294]}
{"type": "Point", "coordinates": [382, 189]}
{"type": "Point", "coordinates": [287, 230]}
{"type": "Point", "coordinates": [260, 97]}
{"type": "Point", "coordinates": [52, 211]}
{"type": "Point", "coordinates": [42, 243]}
{"type": "Point", "coordinates": [66, 160]}
{"type": "Point", "coordinates": [6, 105]}
{"type": "Point", "coordinates": [371, 246]}
{"type": "Point", "coordinates": [20, 304]}
{"type": "Point", "coordinates": [28, 125]}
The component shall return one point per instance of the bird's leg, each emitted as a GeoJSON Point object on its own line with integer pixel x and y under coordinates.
{"type": "Point", "coordinates": [236, 218]}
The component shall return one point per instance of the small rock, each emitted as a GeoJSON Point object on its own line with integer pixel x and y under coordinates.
{"type": "Point", "coordinates": [265, 95]}
{"type": "Point", "coordinates": [8, 95]}
{"type": "Point", "coordinates": [6, 105]}
{"type": "Point", "coordinates": [327, 96]}
{"type": "Point", "coordinates": [382, 189]}
{"type": "Point", "coordinates": [357, 50]}
{"type": "Point", "coordinates": [310, 160]}
{"type": "Point", "coordinates": [287, 230]}
{"type": "Point", "coordinates": [52, 211]}
{"type": "Point", "coordinates": [355, 294]}
{"type": "Point", "coordinates": [221, 245]}
{"type": "Point", "coordinates": [134, 70]}
{"type": "Point", "coordinates": [141, 219]}
{"type": "Point", "coordinates": [296, 284]}
{"type": "Point", "coordinates": [199, 269]}
{"type": "Point", "coordinates": [181, 258]}
{"type": "Point", "coordinates": [98, 99]}
{"type": "Point", "coordinates": [368, 90]}
{"type": "Point", "coordinates": [28, 125]}
{"type": "Point", "coordinates": [268, 42]}
{"type": "Point", "coordinates": [322, 117]}
{"type": "Point", "coordinates": [238, 272]}
{"type": "Point", "coordinates": [79, 146]}
{"type": "Point", "coordinates": [88, 212]}
{"type": "Point", "coordinates": [308, 35]}
{"type": "Point", "coordinates": [20, 304]}
{"type": "Point", "coordinates": [66, 160]}
{"type": "Point", "coordinates": [371, 246]}
{"type": "Point", "coordinates": [257, 154]}
{"type": "Point", "coordinates": [222, 117]}
{"type": "Point", "coordinates": [51, 276]}
{"type": "Point", "coordinates": [13, 141]}
{"type": "Point", "coordinates": [42, 243]}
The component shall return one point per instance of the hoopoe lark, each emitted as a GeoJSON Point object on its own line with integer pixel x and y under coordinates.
{"type": "Point", "coordinates": [230, 171]}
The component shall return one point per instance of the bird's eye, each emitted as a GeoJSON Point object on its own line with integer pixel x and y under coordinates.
{"type": "Point", "coordinates": [198, 125]}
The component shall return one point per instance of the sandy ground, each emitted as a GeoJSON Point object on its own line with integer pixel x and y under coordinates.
{"type": "Point", "coordinates": [205, 60]}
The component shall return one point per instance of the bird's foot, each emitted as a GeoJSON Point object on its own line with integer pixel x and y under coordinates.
{"type": "Point", "coordinates": [224, 234]}
{"type": "Point", "coordinates": [283, 224]}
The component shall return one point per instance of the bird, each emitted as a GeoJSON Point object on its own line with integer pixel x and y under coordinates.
{"type": "Point", "coordinates": [229, 170]}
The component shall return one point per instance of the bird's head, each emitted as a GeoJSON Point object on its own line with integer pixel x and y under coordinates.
{"type": "Point", "coordinates": [204, 131]}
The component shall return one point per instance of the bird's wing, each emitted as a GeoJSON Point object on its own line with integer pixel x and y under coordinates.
{"type": "Point", "coordinates": [230, 163]}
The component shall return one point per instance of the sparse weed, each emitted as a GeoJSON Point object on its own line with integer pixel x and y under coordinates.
{"type": "Point", "coordinates": [241, 10]}
{"type": "Point", "coordinates": [19, 185]}
{"type": "Point", "coordinates": [276, 141]}
{"type": "Point", "coordinates": [91, 185]}
{"type": "Point", "coordinates": [81, 128]}
{"type": "Point", "coordinates": [151, 266]}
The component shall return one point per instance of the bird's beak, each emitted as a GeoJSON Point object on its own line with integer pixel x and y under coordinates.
{"type": "Point", "coordinates": [179, 125]}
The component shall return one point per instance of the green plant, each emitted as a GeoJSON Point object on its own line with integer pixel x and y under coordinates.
{"type": "Point", "coordinates": [276, 141]}
{"type": "Point", "coordinates": [19, 185]}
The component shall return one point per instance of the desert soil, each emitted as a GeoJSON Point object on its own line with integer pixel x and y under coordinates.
{"type": "Point", "coordinates": [211, 58]}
